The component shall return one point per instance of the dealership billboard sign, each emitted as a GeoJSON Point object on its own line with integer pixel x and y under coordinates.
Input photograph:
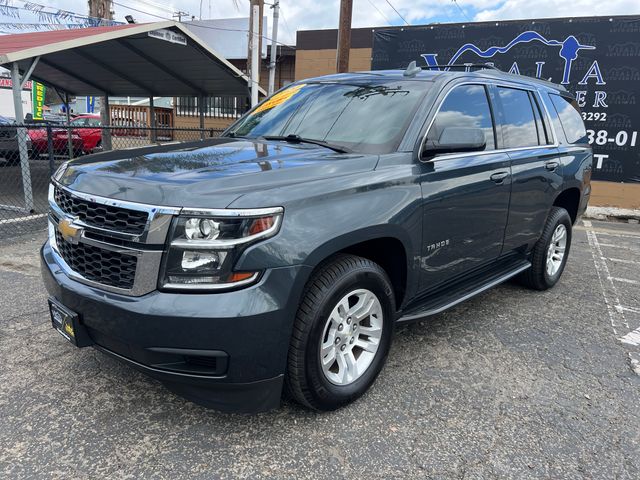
{"type": "Point", "coordinates": [596, 58]}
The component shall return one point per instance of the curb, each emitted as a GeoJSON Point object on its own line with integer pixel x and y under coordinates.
{"type": "Point", "coordinates": [612, 213]}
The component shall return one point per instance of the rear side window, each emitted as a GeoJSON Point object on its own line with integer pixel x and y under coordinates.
{"type": "Point", "coordinates": [570, 118]}
{"type": "Point", "coordinates": [465, 106]}
{"type": "Point", "coordinates": [544, 136]}
{"type": "Point", "coordinates": [520, 128]}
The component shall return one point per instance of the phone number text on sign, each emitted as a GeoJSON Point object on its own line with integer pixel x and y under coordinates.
{"type": "Point", "coordinates": [622, 138]}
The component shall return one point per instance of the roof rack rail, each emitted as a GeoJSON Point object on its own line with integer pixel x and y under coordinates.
{"type": "Point", "coordinates": [412, 69]}
{"type": "Point", "coordinates": [479, 66]}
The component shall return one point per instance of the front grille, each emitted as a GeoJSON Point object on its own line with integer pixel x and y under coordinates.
{"type": "Point", "coordinates": [102, 216]}
{"type": "Point", "coordinates": [97, 264]}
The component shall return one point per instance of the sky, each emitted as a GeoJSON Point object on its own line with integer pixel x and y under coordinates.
{"type": "Point", "coordinates": [317, 14]}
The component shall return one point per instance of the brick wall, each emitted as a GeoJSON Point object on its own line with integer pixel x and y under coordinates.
{"type": "Point", "coordinates": [313, 63]}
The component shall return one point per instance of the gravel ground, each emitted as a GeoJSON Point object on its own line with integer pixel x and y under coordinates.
{"type": "Point", "coordinates": [511, 384]}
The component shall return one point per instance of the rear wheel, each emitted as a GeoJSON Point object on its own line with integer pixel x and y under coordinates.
{"type": "Point", "coordinates": [342, 333]}
{"type": "Point", "coordinates": [550, 252]}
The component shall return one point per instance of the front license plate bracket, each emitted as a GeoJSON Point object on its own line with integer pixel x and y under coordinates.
{"type": "Point", "coordinates": [67, 323]}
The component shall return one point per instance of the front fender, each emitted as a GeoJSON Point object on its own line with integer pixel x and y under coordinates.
{"type": "Point", "coordinates": [321, 223]}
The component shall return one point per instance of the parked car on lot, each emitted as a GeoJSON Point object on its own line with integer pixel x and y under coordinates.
{"type": "Point", "coordinates": [283, 254]}
{"type": "Point", "coordinates": [39, 136]}
{"type": "Point", "coordinates": [9, 147]}
{"type": "Point", "coordinates": [87, 127]}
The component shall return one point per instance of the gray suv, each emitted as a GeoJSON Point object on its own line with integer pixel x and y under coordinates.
{"type": "Point", "coordinates": [282, 255]}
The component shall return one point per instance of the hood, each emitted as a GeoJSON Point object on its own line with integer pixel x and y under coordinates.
{"type": "Point", "coordinates": [210, 174]}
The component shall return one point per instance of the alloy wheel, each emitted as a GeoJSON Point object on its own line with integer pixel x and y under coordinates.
{"type": "Point", "coordinates": [556, 250]}
{"type": "Point", "coordinates": [351, 337]}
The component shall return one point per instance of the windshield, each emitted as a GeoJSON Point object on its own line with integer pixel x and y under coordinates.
{"type": "Point", "coordinates": [367, 118]}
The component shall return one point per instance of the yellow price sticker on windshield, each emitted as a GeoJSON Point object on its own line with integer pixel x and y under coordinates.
{"type": "Point", "coordinates": [279, 98]}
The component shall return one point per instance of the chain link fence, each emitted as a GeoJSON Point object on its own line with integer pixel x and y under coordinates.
{"type": "Point", "coordinates": [24, 179]}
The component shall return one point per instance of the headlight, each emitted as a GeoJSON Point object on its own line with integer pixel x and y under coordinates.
{"type": "Point", "coordinates": [205, 245]}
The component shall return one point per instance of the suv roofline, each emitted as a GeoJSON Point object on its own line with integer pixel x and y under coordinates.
{"type": "Point", "coordinates": [432, 74]}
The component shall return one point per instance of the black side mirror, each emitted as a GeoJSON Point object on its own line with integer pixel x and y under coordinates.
{"type": "Point", "coordinates": [456, 140]}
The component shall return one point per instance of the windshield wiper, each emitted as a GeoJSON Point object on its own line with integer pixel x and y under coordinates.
{"type": "Point", "coordinates": [293, 138]}
{"type": "Point", "coordinates": [233, 135]}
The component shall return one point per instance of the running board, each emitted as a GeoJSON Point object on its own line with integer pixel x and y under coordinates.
{"type": "Point", "coordinates": [464, 290]}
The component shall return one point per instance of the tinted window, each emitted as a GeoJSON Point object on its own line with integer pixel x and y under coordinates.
{"type": "Point", "coordinates": [368, 117]}
{"type": "Point", "coordinates": [544, 137]}
{"type": "Point", "coordinates": [570, 118]}
{"type": "Point", "coordinates": [519, 128]}
{"type": "Point", "coordinates": [465, 106]}
{"type": "Point", "coordinates": [93, 122]}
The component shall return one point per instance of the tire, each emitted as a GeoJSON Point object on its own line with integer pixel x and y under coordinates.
{"type": "Point", "coordinates": [539, 276]}
{"type": "Point", "coordinates": [321, 312]}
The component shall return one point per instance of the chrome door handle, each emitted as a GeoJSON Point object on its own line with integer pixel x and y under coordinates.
{"type": "Point", "coordinates": [499, 177]}
{"type": "Point", "coordinates": [551, 166]}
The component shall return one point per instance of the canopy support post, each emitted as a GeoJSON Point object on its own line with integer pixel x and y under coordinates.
{"type": "Point", "coordinates": [67, 108]}
{"type": "Point", "coordinates": [26, 76]}
{"type": "Point", "coordinates": [105, 120]}
{"type": "Point", "coordinates": [152, 120]}
{"type": "Point", "coordinates": [201, 112]}
{"type": "Point", "coordinates": [22, 137]}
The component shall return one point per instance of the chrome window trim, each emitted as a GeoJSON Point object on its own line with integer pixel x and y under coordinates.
{"type": "Point", "coordinates": [483, 82]}
{"type": "Point", "coordinates": [450, 156]}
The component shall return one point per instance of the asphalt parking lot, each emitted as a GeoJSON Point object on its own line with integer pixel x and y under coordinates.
{"type": "Point", "coordinates": [511, 384]}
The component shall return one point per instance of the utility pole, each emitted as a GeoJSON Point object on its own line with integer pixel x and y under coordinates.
{"type": "Point", "coordinates": [254, 51]}
{"type": "Point", "coordinates": [255, 44]}
{"type": "Point", "coordinates": [101, 9]}
{"type": "Point", "coordinates": [344, 36]}
{"type": "Point", "coordinates": [274, 47]}
{"type": "Point", "coordinates": [179, 14]}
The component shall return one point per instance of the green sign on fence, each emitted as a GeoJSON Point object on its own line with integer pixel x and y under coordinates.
{"type": "Point", "coordinates": [37, 93]}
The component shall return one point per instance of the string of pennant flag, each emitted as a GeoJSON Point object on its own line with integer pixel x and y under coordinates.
{"type": "Point", "coordinates": [48, 18]}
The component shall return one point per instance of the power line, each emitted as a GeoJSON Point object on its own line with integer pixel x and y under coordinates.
{"type": "Point", "coordinates": [159, 6]}
{"type": "Point", "coordinates": [461, 10]}
{"type": "Point", "coordinates": [395, 10]}
{"type": "Point", "coordinates": [286, 24]}
{"type": "Point", "coordinates": [140, 11]}
{"type": "Point", "coordinates": [67, 13]}
{"type": "Point", "coordinates": [198, 25]}
{"type": "Point", "coordinates": [380, 12]}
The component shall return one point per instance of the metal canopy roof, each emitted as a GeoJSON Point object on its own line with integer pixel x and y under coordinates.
{"type": "Point", "coordinates": [124, 60]}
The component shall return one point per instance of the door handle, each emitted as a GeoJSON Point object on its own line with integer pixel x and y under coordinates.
{"type": "Point", "coordinates": [499, 177]}
{"type": "Point", "coordinates": [551, 166]}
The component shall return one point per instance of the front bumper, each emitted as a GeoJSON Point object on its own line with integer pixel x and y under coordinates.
{"type": "Point", "coordinates": [222, 350]}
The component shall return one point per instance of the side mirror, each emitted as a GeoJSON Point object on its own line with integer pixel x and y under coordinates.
{"type": "Point", "coordinates": [455, 140]}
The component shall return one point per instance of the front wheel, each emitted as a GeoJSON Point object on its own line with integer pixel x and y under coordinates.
{"type": "Point", "coordinates": [342, 333]}
{"type": "Point", "coordinates": [550, 252]}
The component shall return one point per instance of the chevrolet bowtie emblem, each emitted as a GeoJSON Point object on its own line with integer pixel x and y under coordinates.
{"type": "Point", "coordinates": [69, 232]}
